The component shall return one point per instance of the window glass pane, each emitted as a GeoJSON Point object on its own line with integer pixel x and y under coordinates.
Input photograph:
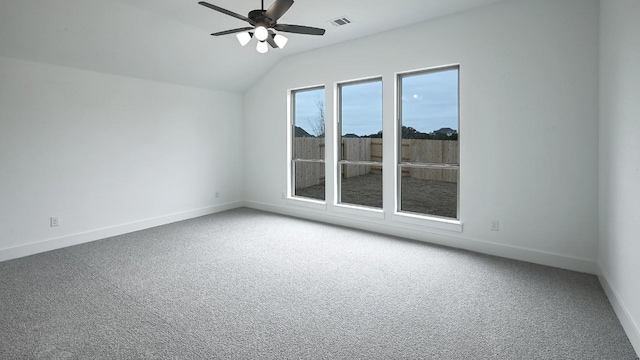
{"type": "Point", "coordinates": [308, 144]}
{"type": "Point", "coordinates": [361, 121]}
{"type": "Point", "coordinates": [308, 124]}
{"type": "Point", "coordinates": [309, 179]}
{"type": "Point", "coordinates": [429, 191]}
{"type": "Point", "coordinates": [430, 105]}
{"type": "Point", "coordinates": [430, 151]}
{"type": "Point", "coordinates": [361, 185]}
{"type": "Point", "coordinates": [308, 148]}
{"type": "Point", "coordinates": [429, 136]}
{"type": "Point", "coordinates": [361, 149]}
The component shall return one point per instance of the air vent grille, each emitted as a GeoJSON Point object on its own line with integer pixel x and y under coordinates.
{"type": "Point", "coordinates": [340, 21]}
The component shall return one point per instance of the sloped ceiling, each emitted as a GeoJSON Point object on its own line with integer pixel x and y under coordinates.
{"type": "Point", "coordinates": [169, 41]}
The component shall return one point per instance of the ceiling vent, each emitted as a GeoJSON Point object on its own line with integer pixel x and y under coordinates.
{"type": "Point", "coordinates": [340, 21]}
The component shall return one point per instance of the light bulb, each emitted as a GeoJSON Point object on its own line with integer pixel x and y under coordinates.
{"type": "Point", "coordinates": [262, 47]}
{"type": "Point", "coordinates": [280, 40]}
{"type": "Point", "coordinates": [244, 37]}
{"type": "Point", "coordinates": [261, 33]}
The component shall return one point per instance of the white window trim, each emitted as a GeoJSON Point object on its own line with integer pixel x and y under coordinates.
{"type": "Point", "coordinates": [359, 210]}
{"type": "Point", "coordinates": [354, 209]}
{"type": "Point", "coordinates": [428, 221]}
{"type": "Point", "coordinates": [290, 197]}
{"type": "Point", "coordinates": [453, 224]}
{"type": "Point", "coordinates": [306, 202]}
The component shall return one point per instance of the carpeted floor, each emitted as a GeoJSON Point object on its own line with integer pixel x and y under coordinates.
{"type": "Point", "coordinates": [245, 284]}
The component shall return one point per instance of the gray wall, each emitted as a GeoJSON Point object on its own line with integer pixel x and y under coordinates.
{"type": "Point", "coordinates": [619, 255]}
{"type": "Point", "coordinates": [529, 127]}
{"type": "Point", "coordinates": [108, 154]}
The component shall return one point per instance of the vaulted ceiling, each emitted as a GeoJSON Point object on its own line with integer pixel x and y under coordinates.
{"type": "Point", "coordinates": [169, 41]}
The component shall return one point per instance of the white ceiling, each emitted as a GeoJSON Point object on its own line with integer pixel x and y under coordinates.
{"type": "Point", "coordinates": [168, 40]}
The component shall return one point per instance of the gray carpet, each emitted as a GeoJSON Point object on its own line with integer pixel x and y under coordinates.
{"type": "Point", "coordinates": [245, 284]}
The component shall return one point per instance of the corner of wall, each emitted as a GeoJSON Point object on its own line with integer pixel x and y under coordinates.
{"type": "Point", "coordinates": [628, 324]}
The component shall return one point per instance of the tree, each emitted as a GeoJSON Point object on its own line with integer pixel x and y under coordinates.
{"type": "Point", "coordinates": [317, 123]}
{"type": "Point", "coordinates": [410, 133]}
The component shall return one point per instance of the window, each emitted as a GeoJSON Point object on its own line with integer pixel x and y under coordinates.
{"type": "Point", "coordinates": [360, 143]}
{"type": "Point", "coordinates": [307, 134]}
{"type": "Point", "coordinates": [428, 132]}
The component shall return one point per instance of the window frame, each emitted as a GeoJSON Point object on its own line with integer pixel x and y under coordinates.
{"type": "Point", "coordinates": [339, 161]}
{"type": "Point", "coordinates": [292, 159]}
{"type": "Point", "coordinates": [399, 164]}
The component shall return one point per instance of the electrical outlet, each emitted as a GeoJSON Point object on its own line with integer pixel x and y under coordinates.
{"type": "Point", "coordinates": [217, 194]}
{"type": "Point", "coordinates": [53, 221]}
{"type": "Point", "coordinates": [495, 225]}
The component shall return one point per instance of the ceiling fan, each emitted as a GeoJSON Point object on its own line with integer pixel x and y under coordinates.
{"type": "Point", "coordinates": [264, 23]}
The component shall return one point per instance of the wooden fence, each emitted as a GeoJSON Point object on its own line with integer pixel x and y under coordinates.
{"type": "Point", "coordinates": [370, 149]}
{"type": "Point", "coordinates": [431, 151]}
{"type": "Point", "coordinates": [308, 174]}
{"type": "Point", "coordinates": [359, 149]}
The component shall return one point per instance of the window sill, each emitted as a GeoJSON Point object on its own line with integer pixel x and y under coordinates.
{"type": "Point", "coordinates": [428, 221]}
{"type": "Point", "coordinates": [307, 203]}
{"type": "Point", "coordinates": [359, 211]}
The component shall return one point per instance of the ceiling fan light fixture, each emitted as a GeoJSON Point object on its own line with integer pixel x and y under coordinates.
{"type": "Point", "coordinates": [244, 37]}
{"type": "Point", "coordinates": [262, 25]}
{"type": "Point", "coordinates": [262, 47]}
{"type": "Point", "coordinates": [261, 33]}
{"type": "Point", "coordinates": [280, 40]}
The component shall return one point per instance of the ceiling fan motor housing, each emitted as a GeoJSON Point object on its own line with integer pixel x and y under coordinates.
{"type": "Point", "coordinates": [258, 17]}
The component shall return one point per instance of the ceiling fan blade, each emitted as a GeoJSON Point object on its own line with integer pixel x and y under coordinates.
{"type": "Point", "coordinates": [232, 31]}
{"type": "Point", "coordinates": [227, 12]}
{"type": "Point", "coordinates": [271, 41]}
{"type": "Point", "coordinates": [278, 8]}
{"type": "Point", "coordinates": [299, 29]}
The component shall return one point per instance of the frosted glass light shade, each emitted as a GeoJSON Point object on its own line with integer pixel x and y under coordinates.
{"type": "Point", "coordinates": [244, 37]}
{"type": "Point", "coordinates": [261, 33]}
{"type": "Point", "coordinates": [280, 40]}
{"type": "Point", "coordinates": [262, 47]}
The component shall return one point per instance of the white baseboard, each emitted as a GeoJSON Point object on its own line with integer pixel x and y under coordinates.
{"type": "Point", "coordinates": [414, 233]}
{"type": "Point", "coordinates": [630, 327]}
{"type": "Point", "coordinates": [84, 237]}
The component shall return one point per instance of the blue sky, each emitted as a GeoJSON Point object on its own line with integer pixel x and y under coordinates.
{"type": "Point", "coordinates": [429, 102]}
